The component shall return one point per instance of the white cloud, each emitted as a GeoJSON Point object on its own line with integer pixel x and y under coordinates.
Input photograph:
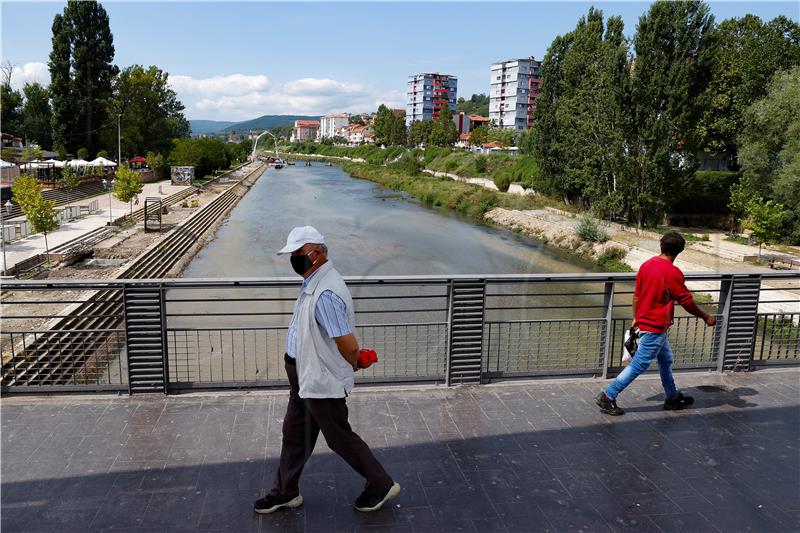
{"type": "Point", "coordinates": [232, 85]}
{"type": "Point", "coordinates": [30, 73]}
{"type": "Point", "coordinates": [238, 97]}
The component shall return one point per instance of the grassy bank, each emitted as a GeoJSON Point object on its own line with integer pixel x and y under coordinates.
{"type": "Point", "coordinates": [503, 169]}
{"type": "Point", "coordinates": [468, 200]}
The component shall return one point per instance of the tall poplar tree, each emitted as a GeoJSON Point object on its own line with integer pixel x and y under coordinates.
{"type": "Point", "coordinates": [674, 49]}
{"type": "Point", "coordinates": [81, 72]}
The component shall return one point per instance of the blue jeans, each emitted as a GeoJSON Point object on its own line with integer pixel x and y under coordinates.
{"type": "Point", "coordinates": [651, 346]}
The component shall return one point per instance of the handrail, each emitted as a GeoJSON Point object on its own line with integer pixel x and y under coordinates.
{"type": "Point", "coordinates": [210, 283]}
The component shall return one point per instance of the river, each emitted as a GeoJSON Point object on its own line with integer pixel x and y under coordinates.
{"type": "Point", "coordinates": [369, 230]}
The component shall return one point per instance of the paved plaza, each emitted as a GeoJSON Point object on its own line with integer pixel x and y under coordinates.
{"type": "Point", "coordinates": [524, 456]}
{"type": "Point", "coordinates": [22, 249]}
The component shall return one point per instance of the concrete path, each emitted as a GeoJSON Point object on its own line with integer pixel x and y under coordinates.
{"type": "Point", "coordinates": [536, 456]}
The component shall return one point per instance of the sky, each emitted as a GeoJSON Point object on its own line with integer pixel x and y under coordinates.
{"type": "Point", "coordinates": [239, 60]}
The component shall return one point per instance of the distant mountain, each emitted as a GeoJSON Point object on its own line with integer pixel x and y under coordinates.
{"type": "Point", "coordinates": [266, 122]}
{"type": "Point", "coordinates": [208, 126]}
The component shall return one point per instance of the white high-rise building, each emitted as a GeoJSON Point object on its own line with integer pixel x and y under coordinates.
{"type": "Point", "coordinates": [330, 124]}
{"type": "Point", "coordinates": [514, 89]}
{"type": "Point", "coordinates": [427, 93]}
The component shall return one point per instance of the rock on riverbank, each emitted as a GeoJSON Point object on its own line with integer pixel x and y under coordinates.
{"type": "Point", "coordinates": [537, 226]}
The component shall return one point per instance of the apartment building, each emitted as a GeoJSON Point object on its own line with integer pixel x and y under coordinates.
{"type": "Point", "coordinates": [331, 125]}
{"type": "Point", "coordinates": [514, 89]}
{"type": "Point", "coordinates": [427, 93]}
{"type": "Point", "coordinates": [304, 130]}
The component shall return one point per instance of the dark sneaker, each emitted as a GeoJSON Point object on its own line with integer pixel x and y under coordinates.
{"type": "Point", "coordinates": [269, 503]}
{"type": "Point", "coordinates": [678, 403]}
{"type": "Point", "coordinates": [367, 503]}
{"type": "Point", "coordinates": [608, 406]}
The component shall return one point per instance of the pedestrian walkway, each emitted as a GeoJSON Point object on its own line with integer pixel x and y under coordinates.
{"type": "Point", "coordinates": [535, 456]}
{"type": "Point", "coordinates": [23, 249]}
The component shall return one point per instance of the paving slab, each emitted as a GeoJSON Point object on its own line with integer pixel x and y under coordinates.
{"type": "Point", "coordinates": [509, 457]}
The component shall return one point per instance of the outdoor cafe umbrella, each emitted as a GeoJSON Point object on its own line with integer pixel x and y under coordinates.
{"type": "Point", "coordinates": [6, 164]}
{"type": "Point", "coordinates": [102, 161]}
{"type": "Point", "coordinates": [56, 163]}
{"type": "Point", "coordinates": [78, 163]}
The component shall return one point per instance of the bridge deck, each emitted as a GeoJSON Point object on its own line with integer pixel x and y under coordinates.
{"type": "Point", "coordinates": [532, 456]}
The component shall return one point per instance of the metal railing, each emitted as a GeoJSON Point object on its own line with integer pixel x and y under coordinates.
{"type": "Point", "coordinates": [173, 334]}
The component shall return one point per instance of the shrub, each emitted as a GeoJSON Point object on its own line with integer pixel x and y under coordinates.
{"type": "Point", "coordinates": [611, 260]}
{"type": "Point", "coordinates": [588, 230]}
{"type": "Point", "coordinates": [480, 163]}
{"type": "Point", "coordinates": [503, 179]}
{"type": "Point", "coordinates": [408, 164]}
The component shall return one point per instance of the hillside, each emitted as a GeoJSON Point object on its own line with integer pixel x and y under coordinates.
{"type": "Point", "coordinates": [266, 122]}
{"type": "Point", "coordinates": [208, 126]}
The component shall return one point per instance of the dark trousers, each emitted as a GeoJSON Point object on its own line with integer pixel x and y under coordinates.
{"type": "Point", "coordinates": [301, 426]}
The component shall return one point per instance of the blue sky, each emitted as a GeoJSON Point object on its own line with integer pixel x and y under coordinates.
{"type": "Point", "coordinates": [233, 61]}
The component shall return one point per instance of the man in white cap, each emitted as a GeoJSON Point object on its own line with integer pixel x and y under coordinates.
{"type": "Point", "coordinates": [321, 356]}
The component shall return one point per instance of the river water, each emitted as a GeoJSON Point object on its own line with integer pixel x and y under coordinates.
{"type": "Point", "coordinates": [369, 230]}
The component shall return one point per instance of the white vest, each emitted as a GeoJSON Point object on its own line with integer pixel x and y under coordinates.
{"type": "Point", "coordinates": [322, 372]}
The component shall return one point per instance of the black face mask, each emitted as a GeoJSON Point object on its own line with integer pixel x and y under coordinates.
{"type": "Point", "coordinates": [301, 263]}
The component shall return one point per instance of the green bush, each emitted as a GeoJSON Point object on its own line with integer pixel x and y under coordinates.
{"type": "Point", "coordinates": [480, 164]}
{"type": "Point", "coordinates": [503, 179]}
{"type": "Point", "coordinates": [588, 230]}
{"type": "Point", "coordinates": [408, 164]}
{"type": "Point", "coordinates": [611, 260]}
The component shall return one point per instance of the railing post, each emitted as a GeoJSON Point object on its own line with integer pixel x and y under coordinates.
{"type": "Point", "coordinates": [723, 309]}
{"type": "Point", "coordinates": [466, 317]}
{"type": "Point", "coordinates": [145, 326]}
{"type": "Point", "coordinates": [741, 321]}
{"type": "Point", "coordinates": [608, 306]}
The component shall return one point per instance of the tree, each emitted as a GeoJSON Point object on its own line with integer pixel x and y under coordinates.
{"type": "Point", "coordinates": [674, 49]}
{"type": "Point", "coordinates": [419, 132]}
{"type": "Point", "coordinates": [42, 216]}
{"type": "Point", "coordinates": [31, 153]}
{"type": "Point", "coordinates": [764, 219]}
{"type": "Point", "coordinates": [749, 52]}
{"type": "Point", "coordinates": [36, 115]}
{"type": "Point", "coordinates": [127, 185]}
{"type": "Point", "coordinates": [26, 191]}
{"type": "Point", "coordinates": [11, 110]}
{"type": "Point", "coordinates": [389, 128]}
{"type": "Point", "coordinates": [503, 136]}
{"type": "Point", "coordinates": [443, 131]}
{"type": "Point", "coordinates": [70, 179]}
{"type": "Point", "coordinates": [769, 150]}
{"type": "Point", "coordinates": [579, 133]}
{"type": "Point", "coordinates": [479, 136]}
{"type": "Point", "coordinates": [83, 153]}
{"type": "Point", "coordinates": [81, 71]}
{"type": "Point", "coordinates": [356, 119]}
{"type": "Point", "coordinates": [205, 155]}
{"type": "Point", "coordinates": [156, 162]}
{"type": "Point", "coordinates": [478, 104]}
{"type": "Point", "coordinates": [151, 113]}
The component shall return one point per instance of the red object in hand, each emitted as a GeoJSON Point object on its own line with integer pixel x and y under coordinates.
{"type": "Point", "coordinates": [366, 357]}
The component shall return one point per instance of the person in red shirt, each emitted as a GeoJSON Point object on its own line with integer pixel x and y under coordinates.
{"type": "Point", "coordinates": [659, 284]}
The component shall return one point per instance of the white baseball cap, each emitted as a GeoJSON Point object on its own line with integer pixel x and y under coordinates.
{"type": "Point", "coordinates": [300, 236]}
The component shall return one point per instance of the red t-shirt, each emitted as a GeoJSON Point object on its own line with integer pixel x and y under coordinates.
{"type": "Point", "coordinates": [659, 284]}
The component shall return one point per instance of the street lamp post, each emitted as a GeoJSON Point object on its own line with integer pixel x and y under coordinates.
{"type": "Point", "coordinates": [6, 211]}
{"type": "Point", "coordinates": [119, 140]}
{"type": "Point", "coordinates": [109, 187]}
